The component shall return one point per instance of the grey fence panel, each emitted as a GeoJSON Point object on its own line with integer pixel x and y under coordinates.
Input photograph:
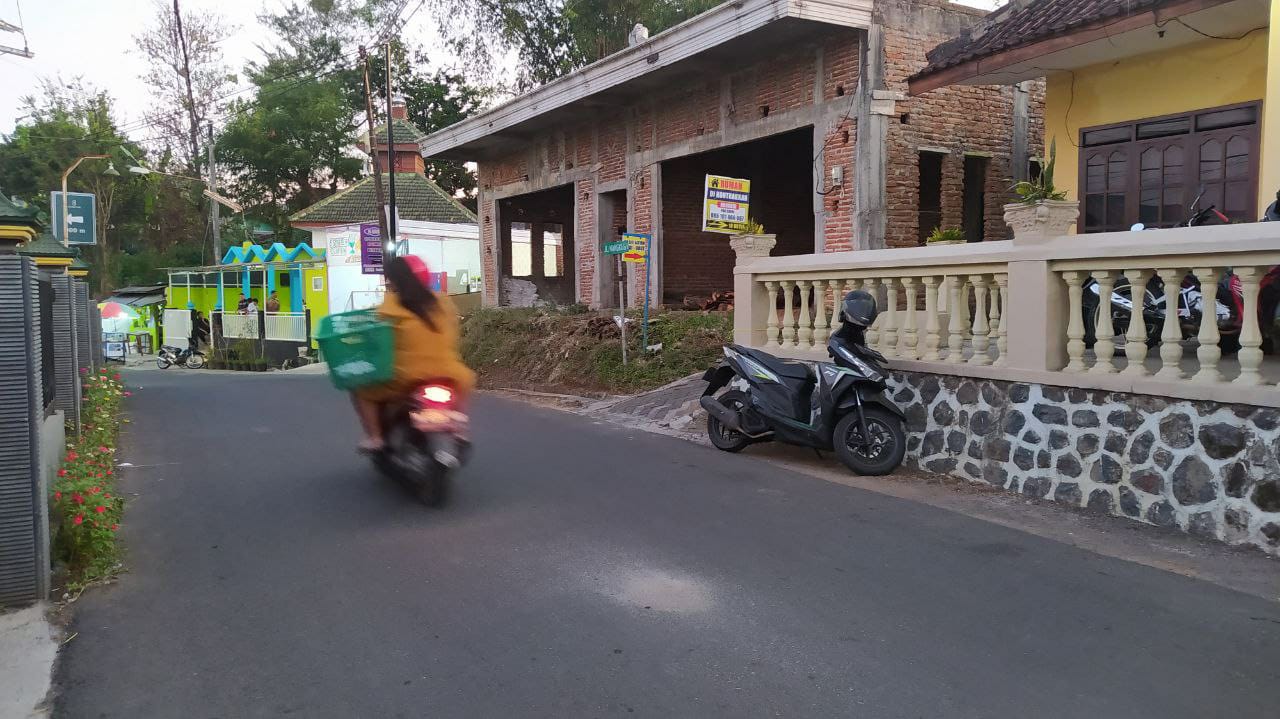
{"type": "Point", "coordinates": [84, 327]}
{"type": "Point", "coordinates": [24, 552]}
{"type": "Point", "coordinates": [66, 368]}
{"type": "Point", "coordinates": [95, 334]}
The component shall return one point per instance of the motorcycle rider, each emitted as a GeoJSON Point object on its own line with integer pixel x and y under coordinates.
{"type": "Point", "coordinates": [426, 330]}
{"type": "Point", "coordinates": [1273, 210]}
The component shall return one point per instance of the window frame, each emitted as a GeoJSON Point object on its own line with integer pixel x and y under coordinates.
{"type": "Point", "coordinates": [1190, 142]}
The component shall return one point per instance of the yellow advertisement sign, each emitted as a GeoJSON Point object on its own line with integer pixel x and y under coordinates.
{"type": "Point", "coordinates": [638, 247]}
{"type": "Point", "coordinates": [725, 204]}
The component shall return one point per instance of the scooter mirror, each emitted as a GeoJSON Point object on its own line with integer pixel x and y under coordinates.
{"type": "Point", "coordinates": [1138, 227]}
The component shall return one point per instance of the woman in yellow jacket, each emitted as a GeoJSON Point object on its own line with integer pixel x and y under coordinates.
{"type": "Point", "coordinates": [426, 350]}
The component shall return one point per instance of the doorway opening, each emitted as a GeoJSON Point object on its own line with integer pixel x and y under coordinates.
{"type": "Point", "coordinates": [537, 246]}
{"type": "Point", "coordinates": [930, 194]}
{"type": "Point", "coordinates": [612, 216]}
{"type": "Point", "coordinates": [975, 198]}
{"type": "Point", "coordinates": [696, 264]}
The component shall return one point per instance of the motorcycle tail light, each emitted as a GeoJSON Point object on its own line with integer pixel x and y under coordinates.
{"type": "Point", "coordinates": [437, 394]}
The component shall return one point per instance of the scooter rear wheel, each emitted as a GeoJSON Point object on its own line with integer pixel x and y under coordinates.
{"type": "Point", "coordinates": [723, 438]}
{"type": "Point", "coordinates": [888, 442]}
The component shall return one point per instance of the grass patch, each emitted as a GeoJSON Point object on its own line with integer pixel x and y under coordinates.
{"type": "Point", "coordinates": [574, 350]}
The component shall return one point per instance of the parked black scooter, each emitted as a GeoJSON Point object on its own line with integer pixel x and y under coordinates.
{"type": "Point", "coordinates": [840, 406]}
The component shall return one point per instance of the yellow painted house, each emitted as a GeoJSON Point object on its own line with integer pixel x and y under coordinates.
{"type": "Point", "coordinates": [1152, 103]}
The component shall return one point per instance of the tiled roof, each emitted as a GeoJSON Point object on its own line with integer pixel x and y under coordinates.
{"type": "Point", "coordinates": [417, 199]}
{"type": "Point", "coordinates": [17, 210]}
{"type": "Point", "coordinates": [405, 133]}
{"type": "Point", "coordinates": [44, 245]}
{"type": "Point", "coordinates": [1023, 22]}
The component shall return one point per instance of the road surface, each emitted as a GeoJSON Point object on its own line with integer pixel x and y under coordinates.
{"type": "Point", "coordinates": [585, 570]}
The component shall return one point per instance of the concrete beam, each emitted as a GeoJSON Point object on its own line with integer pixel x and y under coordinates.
{"type": "Point", "coordinates": [869, 152]}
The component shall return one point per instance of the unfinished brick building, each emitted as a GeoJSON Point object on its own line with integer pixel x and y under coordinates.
{"type": "Point", "coordinates": [805, 98]}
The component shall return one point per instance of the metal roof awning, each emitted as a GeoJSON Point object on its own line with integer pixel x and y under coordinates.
{"type": "Point", "coordinates": [138, 300]}
{"type": "Point", "coordinates": [723, 40]}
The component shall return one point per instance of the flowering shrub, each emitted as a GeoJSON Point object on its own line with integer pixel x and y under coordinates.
{"type": "Point", "coordinates": [85, 505]}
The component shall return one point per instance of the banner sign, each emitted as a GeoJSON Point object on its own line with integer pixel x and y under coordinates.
{"type": "Point", "coordinates": [638, 247]}
{"type": "Point", "coordinates": [370, 249]}
{"type": "Point", "coordinates": [725, 205]}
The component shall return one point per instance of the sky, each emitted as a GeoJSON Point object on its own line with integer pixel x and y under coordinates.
{"type": "Point", "coordinates": [94, 39]}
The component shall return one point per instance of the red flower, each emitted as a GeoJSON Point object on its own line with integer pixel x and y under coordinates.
{"type": "Point", "coordinates": [57, 496]}
{"type": "Point", "coordinates": [77, 498]}
{"type": "Point", "coordinates": [115, 376]}
{"type": "Point", "coordinates": [95, 490]}
{"type": "Point", "coordinates": [84, 370]}
{"type": "Point", "coordinates": [100, 509]}
{"type": "Point", "coordinates": [103, 448]}
{"type": "Point", "coordinates": [114, 527]}
{"type": "Point", "coordinates": [79, 519]}
{"type": "Point", "coordinates": [71, 456]}
{"type": "Point", "coordinates": [62, 473]}
{"type": "Point", "coordinates": [108, 495]}
{"type": "Point", "coordinates": [109, 473]}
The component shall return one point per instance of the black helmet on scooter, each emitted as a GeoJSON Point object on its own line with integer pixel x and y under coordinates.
{"type": "Point", "coordinates": [859, 308]}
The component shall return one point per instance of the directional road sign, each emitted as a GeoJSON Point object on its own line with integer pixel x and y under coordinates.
{"type": "Point", "coordinates": [82, 226]}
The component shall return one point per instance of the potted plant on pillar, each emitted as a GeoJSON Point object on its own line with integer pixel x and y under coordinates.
{"type": "Point", "coordinates": [753, 242]}
{"type": "Point", "coordinates": [1042, 211]}
{"type": "Point", "coordinates": [949, 236]}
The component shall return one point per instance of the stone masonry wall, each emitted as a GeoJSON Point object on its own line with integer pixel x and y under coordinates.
{"type": "Point", "coordinates": [1205, 468]}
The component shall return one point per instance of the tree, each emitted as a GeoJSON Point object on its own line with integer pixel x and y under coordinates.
{"type": "Point", "coordinates": [188, 84]}
{"type": "Point", "coordinates": [555, 38]}
{"type": "Point", "coordinates": [288, 144]}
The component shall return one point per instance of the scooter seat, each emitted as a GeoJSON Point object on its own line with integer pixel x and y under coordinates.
{"type": "Point", "coordinates": [781, 367]}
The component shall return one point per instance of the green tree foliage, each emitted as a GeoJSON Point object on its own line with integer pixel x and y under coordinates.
{"type": "Point", "coordinates": [554, 38]}
{"type": "Point", "coordinates": [287, 148]}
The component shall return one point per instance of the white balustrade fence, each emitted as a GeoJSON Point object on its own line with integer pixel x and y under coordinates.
{"type": "Point", "coordinates": [287, 326]}
{"type": "Point", "coordinates": [237, 326]}
{"type": "Point", "coordinates": [1031, 309]}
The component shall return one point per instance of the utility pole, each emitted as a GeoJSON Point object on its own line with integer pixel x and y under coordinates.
{"type": "Point", "coordinates": [214, 208]}
{"type": "Point", "coordinates": [377, 165]}
{"type": "Point", "coordinates": [186, 74]}
{"type": "Point", "coordinates": [391, 157]}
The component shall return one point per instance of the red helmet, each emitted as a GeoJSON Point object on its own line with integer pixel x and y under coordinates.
{"type": "Point", "coordinates": [420, 269]}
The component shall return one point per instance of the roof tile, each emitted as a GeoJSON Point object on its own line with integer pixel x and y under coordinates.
{"type": "Point", "coordinates": [417, 198]}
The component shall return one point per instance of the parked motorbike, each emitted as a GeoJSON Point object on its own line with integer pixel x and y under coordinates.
{"type": "Point", "coordinates": [170, 355]}
{"type": "Point", "coordinates": [841, 405]}
{"type": "Point", "coordinates": [426, 440]}
{"type": "Point", "coordinates": [1228, 306]}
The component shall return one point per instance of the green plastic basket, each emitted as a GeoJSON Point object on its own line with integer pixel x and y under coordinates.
{"type": "Point", "coordinates": [359, 347]}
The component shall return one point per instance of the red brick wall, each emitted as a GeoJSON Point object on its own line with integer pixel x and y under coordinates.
{"type": "Point", "coordinates": [586, 238]}
{"type": "Point", "coordinates": [960, 120]}
{"type": "Point", "coordinates": [780, 171]}
{"type": "Point", "coordinates": [975, 119]}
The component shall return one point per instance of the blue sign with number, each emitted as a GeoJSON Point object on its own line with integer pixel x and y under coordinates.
{"type": "Point", "coordinates": [81, 221]}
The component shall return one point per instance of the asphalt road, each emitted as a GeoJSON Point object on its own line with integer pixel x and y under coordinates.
{"type": "Point", "coordinates": [584, 570]}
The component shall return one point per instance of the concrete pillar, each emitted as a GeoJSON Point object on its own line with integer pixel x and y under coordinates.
{"type": "Point", "coordinates": [750, 299]}
{"type": "Point", "coordinates": [1019, 153]}
{"type": "Point", "coordinates": [869, 153]}
{"type": "Point", "coordinates": [296, 289]}
{"type": "Point", "coordinates": [1038, 307]}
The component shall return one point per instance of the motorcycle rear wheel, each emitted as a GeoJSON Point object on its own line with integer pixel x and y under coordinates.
{"type": "Point", "coordinates": [723, 438]}
{"type": "Point", "coordinates": [163, 363]}
{"type": "Point", "coordinates": [889, 442]}
{"type": "Point", "coordinates": [195, 362]}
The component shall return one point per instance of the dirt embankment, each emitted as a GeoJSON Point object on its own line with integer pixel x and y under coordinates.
{"type": "Point", "coordinates": [574, 351]}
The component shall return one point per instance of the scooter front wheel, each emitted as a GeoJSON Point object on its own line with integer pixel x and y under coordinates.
{"type": "Point", "coordinates": [884, 449]}
{"type": "Point", "coordinates": [723, 438]}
